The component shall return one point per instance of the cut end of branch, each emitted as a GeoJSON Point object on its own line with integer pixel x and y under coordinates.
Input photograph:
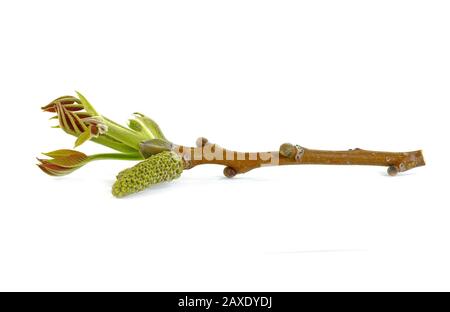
{"type": "Point", "coordinates": [410, 161]}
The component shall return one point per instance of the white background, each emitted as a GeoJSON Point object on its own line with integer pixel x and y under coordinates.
{"type": "Point", "coordinates": [248, 75]}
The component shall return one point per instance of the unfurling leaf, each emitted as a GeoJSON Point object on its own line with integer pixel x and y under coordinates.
{"type": "Point", "coordinates": [62, 162]}
{"type": "Point", "coordinates": [83, 137]}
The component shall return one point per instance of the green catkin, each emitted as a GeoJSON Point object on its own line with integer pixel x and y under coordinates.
{"type": "Point", "coordinates": [162, 167]}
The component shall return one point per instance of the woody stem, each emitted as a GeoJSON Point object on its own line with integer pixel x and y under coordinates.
{"type": "Point", "coordinates": [288, 154]}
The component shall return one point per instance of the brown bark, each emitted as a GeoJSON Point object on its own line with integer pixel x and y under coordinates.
{"type": "Point", "coordinates": [288, 154]}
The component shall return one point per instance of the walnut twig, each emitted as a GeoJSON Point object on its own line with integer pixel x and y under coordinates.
{"type": "Point", "coordinates": [289, 154]}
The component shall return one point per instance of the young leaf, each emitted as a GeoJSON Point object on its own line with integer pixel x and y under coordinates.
{"type": "Point", "coordinates": [87, 106]}
{"type": "Point", "coordinates": [83, 137]}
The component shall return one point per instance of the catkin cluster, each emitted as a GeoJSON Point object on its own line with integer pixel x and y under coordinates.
{"type": "Point", "coordinates": [162, 167]}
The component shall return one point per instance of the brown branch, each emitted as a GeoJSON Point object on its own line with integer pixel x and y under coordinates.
{"type": "Point", "coordinates": [288, 154]}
